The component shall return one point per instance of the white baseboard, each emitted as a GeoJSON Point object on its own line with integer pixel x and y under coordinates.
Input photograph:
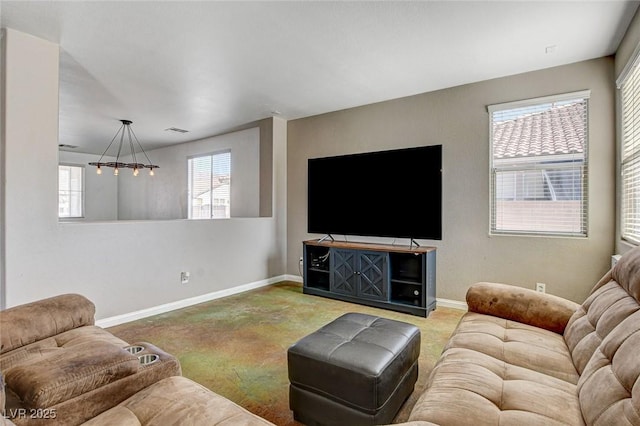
{"type": "Point", "coordinates": [448, 303]}
{"type": "Point", "coordinates": [161, 309]}
{"type": "Point", "coordinates": [296, 278]}
{"type": "Point", "coordinates": [179, 304]}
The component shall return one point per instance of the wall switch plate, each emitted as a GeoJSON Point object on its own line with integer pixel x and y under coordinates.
{"type": "Point", "coordinates": [541, 287]}
{"type": "Point", "coordinates": [184, 277]}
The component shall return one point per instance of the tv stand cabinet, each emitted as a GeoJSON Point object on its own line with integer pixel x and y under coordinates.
{"type": "Point", "coordinates": [399, 278]}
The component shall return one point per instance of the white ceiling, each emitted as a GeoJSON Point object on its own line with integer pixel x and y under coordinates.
{"type": "Point", "coordinates": [210, 66]}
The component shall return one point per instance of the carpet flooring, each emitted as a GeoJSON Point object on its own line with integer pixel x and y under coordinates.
{"type": "Point", "coordinates": [237, 345]}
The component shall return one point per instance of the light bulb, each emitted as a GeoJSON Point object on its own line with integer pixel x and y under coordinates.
{"type": "Point", "coordinates": [115, 171]}
{"type": "Point", "coordinates": [135, 171]}
{"type": "Point", "coordinates": [151, 172]}
{"type": "Point", "coordinates": [99, 170]}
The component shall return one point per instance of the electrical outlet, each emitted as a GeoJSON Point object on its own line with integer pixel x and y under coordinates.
{"type": "Point", "coordinates": [541, 287]}
{"type": "Point", "coordinates": [184, 277]}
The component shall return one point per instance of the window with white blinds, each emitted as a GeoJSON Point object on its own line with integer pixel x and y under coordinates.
{"type": "Point", "coordinates": [70, 191]}
{"type": "Point", "coordinates": [539, 166]}
{"type": "Point", "coordinates": [210, 186]}
{"type": "Point", "coordinates": [630, 155]}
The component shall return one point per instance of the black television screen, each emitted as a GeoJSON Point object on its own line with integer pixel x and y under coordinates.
{"type": "Point", "coordinates": [396, 193]}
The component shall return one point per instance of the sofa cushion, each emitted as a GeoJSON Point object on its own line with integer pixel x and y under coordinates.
{"type": "Point", "coordinates": [515, 344]}
{"type": "Point", "coordinates": [118, 415]}
{"type": "Point", "coordinates": [626, 273]}
{"type": "Point", "coordinates": [91, 333]}
{"type": "Point", "coordinates": [70, 372]}
{"type": "Point", "coordinates": [466, 384]}
{"type": "Point", "coordinates": [615, 366]}
{"type": "Point", "coordinates": [177, 401]}
{"type": "Point", "coordinates": [604, 338]}
{"type": "Point", "coordinates": [601, 312]}
{"type": "Point", "coordinates": [51, 345]}
{"type": "Point", "coordinates": [28, 323]}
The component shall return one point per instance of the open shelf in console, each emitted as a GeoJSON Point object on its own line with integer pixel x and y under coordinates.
{"type": "Point", "coordinates": [406, 267]}
{"type": "Point", "coordinates": [407, 278]}
{"type": "Point", "coordinates": [317, 267]}
{"type": "Point", "coordinates": [406, 293]}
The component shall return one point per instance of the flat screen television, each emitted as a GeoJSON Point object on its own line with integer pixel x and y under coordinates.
{"type": "Point", "coordinates": [395, 193]}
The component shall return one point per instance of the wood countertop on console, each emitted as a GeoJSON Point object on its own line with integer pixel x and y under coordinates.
{"type": "Point", "coordinates": [370, 246]}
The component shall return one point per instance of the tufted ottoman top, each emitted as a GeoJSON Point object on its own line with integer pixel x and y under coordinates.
{"type": "Point", "coordinates": [357, 359]}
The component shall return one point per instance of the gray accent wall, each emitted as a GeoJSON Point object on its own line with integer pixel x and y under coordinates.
{"type": "Point", "coordinates": [457, 118]}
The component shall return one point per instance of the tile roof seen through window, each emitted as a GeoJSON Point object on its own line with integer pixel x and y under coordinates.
{"type": "Point", "coordinates": [557, 130]}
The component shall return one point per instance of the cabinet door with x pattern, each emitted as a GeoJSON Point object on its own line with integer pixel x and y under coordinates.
{"type": "Point", "coordinates": [372, 275]}
{"type": "Point", "coordinates": [359, 273]}
{"type": "Point", "coordinates": [344, 277]}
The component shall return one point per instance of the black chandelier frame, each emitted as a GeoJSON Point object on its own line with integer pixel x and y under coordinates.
{"type": "Point", "coordinates": [135, 165]}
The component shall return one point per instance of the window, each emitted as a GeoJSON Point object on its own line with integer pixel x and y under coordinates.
{"type": "Point", "coordinates": [210, 186]}
{"type": "Point", "coordinates": [630, 153]}
{"type": "Point", "coordinates": [70, 191]}
{"type": "Point", "coordinates": [539, 166]}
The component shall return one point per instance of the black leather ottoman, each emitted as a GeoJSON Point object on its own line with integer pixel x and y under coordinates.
{"type": "Point", "coordinates": [359, 369]}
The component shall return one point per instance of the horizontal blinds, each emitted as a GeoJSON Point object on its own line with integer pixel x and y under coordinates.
{"type": "Point", "coordinates": [210, 186]}
{"type": "Point", "coordinates": [539, 168]}
{"type": "Point", "coordinates": [630, 166]}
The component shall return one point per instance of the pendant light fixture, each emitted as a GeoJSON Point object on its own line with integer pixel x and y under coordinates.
{"type": "Point", "coordinates": [117, 165]}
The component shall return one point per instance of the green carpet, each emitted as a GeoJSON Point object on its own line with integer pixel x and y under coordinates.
{"type": "Point", "coordinates": [237, 345]}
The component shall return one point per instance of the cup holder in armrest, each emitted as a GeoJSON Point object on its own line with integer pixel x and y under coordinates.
{"type": "Point", "coordinates": [147, 359]}
{"type": "Point", "coordinates": [134, 349]}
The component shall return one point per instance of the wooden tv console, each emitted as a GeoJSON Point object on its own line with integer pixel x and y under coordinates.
{"type": "Point", "coordinates": [399, 278]}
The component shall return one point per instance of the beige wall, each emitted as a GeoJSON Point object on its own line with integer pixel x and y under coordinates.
{"type": "Point", "coordinates": [100, 195]}
{"type": "Point", "coordinates": [457, 118]}
{"type": "Point", "coordinates": [165, 196]}
{"type": "Point", "coordinates": [121, 266]}
{"type": "Point", "coordinates": [42, 257]}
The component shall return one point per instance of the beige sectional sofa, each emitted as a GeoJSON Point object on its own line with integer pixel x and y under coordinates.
{"type": "Point", "coordinates": [517, 357]}
{"type": "Point", "coordinates": [58, 368]}
{"type": "Point", "coordinates": [523, 358]}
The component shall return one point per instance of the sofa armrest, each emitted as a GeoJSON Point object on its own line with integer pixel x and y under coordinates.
{"type": "Point", "coordinates": [79, 409]}
{"type": "Point", "coordinates": [521, 305]}
{"type": "Point", "coordinates": [31, 322]}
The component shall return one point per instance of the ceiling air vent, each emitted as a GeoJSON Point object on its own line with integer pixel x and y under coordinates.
{"type": "Point", "coordinates": [175, 129]}
{"type": "Point", "coordinates": [67, 146]}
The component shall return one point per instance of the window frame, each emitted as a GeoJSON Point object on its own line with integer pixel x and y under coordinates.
{"type": "Point", "coordinates": [190, 183]}
{"type": "Point", "coordinates": [631, 75]}
{"type": "Point", "coordinates": [539, 165]}
{"type": "Point", "coordinates": [83, 184]}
